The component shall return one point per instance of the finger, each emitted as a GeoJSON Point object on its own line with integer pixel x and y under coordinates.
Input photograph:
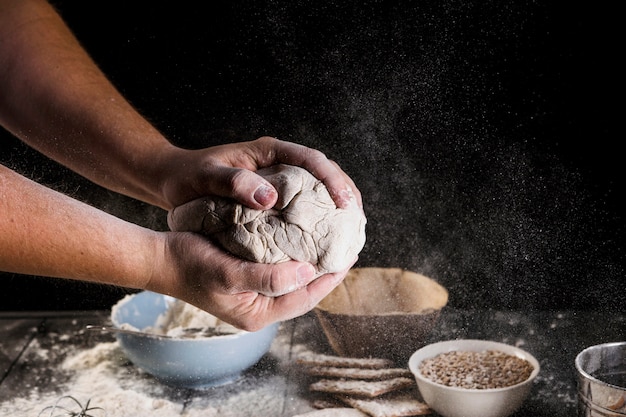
{"type": "Point", "coordinates": [301, 301]}
{"type": "Point", "coordinates": [340, 187]}
{"type": "Point", "coordinates": [251, 311]}
{"type": "Point", "coordinates": [274, 280]}
{"type": "Point", "coordinates": [244, 186]}
{"type": "Point", "coordinates": [352, 193]}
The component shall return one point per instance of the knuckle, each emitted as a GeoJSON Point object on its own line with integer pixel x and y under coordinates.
{"type": "Point", "coordinates": [236, 179]}
{"type": "Point", "coordinates": [313, 156]}
{"type": "Point", "coordinates": [266, 140]}
{"type": "Point", "coordinates": [316, 154]}
{"type": "Point", "coordinates": [272, 282]}
{"type": "Point", "coordinates": [265, 149]}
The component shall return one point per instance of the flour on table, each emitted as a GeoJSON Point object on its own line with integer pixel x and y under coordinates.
{"type": "Point", "coordinates": [103, 376]}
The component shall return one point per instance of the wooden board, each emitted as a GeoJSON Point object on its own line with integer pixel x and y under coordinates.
{"type": "Point", "coordinates": [35, 349]}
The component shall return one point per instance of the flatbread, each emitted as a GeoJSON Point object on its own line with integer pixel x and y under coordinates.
{"type": "Point", "coordinates": [334, 412]}
{"type": "Point", "coordinates": [361, 388]}
{"type": "Point", "coordinates": [357, 373]}
{"type": "Point", "coordinates": [327, 402]}
{"type": "Point", "coordinates": [399, 406]}
{"type": "Point", "coordinates": [370, 385]}
{"type": "Point", "coordinates": [316, 359]}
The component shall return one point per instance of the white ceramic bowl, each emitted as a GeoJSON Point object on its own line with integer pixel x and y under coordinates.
{"type": "Point", "coordinates": [464, 402]}
{"type": "Point", "coordinates": [190, 363]}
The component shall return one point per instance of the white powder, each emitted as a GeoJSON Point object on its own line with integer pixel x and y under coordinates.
{"type": "Point", "coordinates": [180, 317]}
{"type": "Point", "coordinates": [183, 320]}
{"type": "Point", "coordinates": [99, 375]}
{"type": "Point", "coordinates": [103, 376]}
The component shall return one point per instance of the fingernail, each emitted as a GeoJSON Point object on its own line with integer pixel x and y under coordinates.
{"type": "Point", "coordinates": [265, 194]}
{"type": "Point", "coordinates": [304, 274]}
{"type": "Point", "coordinates": [346, 198]}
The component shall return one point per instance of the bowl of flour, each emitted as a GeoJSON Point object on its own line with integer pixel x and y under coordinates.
{"type": "Point", "coordinates": [184, 346]}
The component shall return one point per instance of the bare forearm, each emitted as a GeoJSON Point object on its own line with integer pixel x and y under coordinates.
{"type": "Point", "coordinates": [46, 233]}
{"type": "Point", "coordinates": [56, 99]}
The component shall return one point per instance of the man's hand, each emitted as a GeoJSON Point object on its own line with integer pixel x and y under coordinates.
{"type": "Point", "coordinates": [228, 171]}
{"type": "Point", "coordinates": [246, 294]}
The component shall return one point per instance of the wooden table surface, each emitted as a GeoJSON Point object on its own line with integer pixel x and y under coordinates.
{"type": "Point", "coordinates": [36, 347]}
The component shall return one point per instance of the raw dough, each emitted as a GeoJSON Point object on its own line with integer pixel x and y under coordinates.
{"type": "Point", "coordinates": [304, 225]}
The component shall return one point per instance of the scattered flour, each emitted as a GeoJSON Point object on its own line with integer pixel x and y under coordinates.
{"type": "Point", "coordinates": [103, 376]}
{"type": "Point", "coordinates": [100, 375]}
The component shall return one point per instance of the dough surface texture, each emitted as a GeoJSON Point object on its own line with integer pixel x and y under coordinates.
{"type": "Point", "coordinates": [304, 225]}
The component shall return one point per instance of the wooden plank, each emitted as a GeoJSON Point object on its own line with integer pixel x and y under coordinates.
{"type": "Point", "coordinates": [41, 377]}
{"type": "Point", "coordinates": [276, 386]}
{"type": "Point", "coordinates": [35, 380]}
{"type": "Point", "coordinates": [307, 337]}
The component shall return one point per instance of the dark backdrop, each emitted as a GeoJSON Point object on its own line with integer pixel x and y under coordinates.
{"type": "Point", "coordinates": [483, 135]}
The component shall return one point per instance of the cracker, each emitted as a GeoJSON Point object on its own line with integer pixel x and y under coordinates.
{"type": "Point", "coordinates": [395, 406]}
{"type": "Point", "coordinates": [327, 402]}
{"type": "Point", "coordinates": [334, 412]}
{"type": "Point", "coordinates": [359, 387]}
{"type": "Point", "coordinates": [357, 373]}
{"type": "Point", "coordinates": [318, 359]}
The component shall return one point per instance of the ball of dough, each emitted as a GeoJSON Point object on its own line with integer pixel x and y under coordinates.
{"type": "Point", "coordinates": [304, 225]}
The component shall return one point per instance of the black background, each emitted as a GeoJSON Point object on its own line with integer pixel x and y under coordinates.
{"type": "Point", "coordinates": [483, 135]}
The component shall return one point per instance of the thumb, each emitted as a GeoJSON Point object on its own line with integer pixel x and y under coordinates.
{"type": "Point", "coordinates": [246, 187]}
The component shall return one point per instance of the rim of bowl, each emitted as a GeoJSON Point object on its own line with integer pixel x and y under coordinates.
{"type": "Point", "coordinates": [587, 374]}
{"type": "Point", "coordinates": [414, 367]}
